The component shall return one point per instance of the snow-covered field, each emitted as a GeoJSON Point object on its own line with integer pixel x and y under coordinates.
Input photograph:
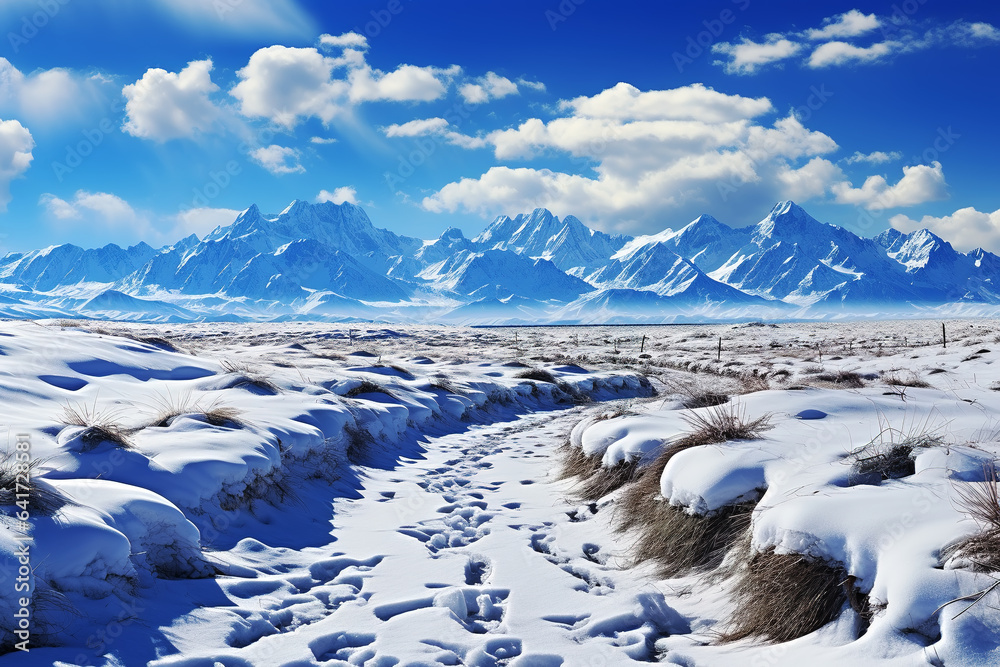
{"type": "Point", "coordinates": [302, 494]}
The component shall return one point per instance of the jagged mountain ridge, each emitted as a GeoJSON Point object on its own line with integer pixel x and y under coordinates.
{"type": "Point", "coordinates": [327, 261]}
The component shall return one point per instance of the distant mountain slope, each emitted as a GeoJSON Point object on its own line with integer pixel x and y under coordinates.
{"type": "Point", "coordinates": [567, 243]}
{"type": "Point", "coordinates": [329, 262]}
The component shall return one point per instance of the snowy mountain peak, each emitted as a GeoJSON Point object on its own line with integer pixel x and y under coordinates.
{"type": "Point", "coordinates": [452, 234]}
{"type": "Point", "coordinates": [786, 219]}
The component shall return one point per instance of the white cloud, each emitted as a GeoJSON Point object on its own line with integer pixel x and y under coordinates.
{"type": "Point", "coordinates": [811, 180]}
{"type": "Point", "coordinates": [533, 85]}
{"type": "Point", "coordinates": [842, 53]}
{"type": "Point", "coordinates": [407, 83]}
{"type": "Point", "coordinates": [966, 229]}
{"type": "Point", "coordinates": [434, 127]}
{"type": "Point", "coordinates": [875, 157]}
{"type": "Point", "coordinates": [349, 40]}
{"type": "Point", "coordinates": [695, 102]}
{"type": "Point", "coordinates": [639, 171]}
{"type": "Point", "coordinates": [338, 196]}
{"type": "Point", "coordinates": [288, 85]}
{"type": "Point", "coordinates": [836, 45]}
{"type": "Point", "coordinates": [417, 128]}
{"type": "Point", "coordinates": [278, 159]}
{"type": "Point", "coordinates": [492, 86]}
{"type": "Point", "coordinates": [919, 184]}
{"type": "Point", "coordinates": [166, 105]}
{"type": "Point", "coordinates": [848, 24]}
{"type": "Point", "coordinates": [749, 56]}
{"type": "Point", "coordinates": [103, 207]}
{"type": "Point", "coordinates": [322, 141]}
{"type": "Point", "coordinates": [48, 96]}
{"type": "Point", "coordinates": [16, 145]}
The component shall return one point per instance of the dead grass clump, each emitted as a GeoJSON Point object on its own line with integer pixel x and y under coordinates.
{"type": "Point", "coordinates": [215, 413]}
{"type": "Point", "coordinates": [843, 379]}
{"type": "Point", "coordinates": [781, 597]}
{"type": "Point", "coordinates": [368, 387]}
{"type": "Point", "coordinates": [890, 455]}
{"type": "Point", "coordinates": [246, 377]}
{"type": "Point", "coordinates": [329, 356]}
{"type": "Point", "coordinates": [705, 400]}
{"type": "Point", "coordinates": [894, 379]}
{"type": "Point", "coordinates": [679, 542]}
{"type": "Point", "coordinates": [18, 477]}
{"type": "Point", "coordinates": [605, 480]}
{"type": "Point", "coordinates": [575, 464]}
{"type": "Point", "coordinates": [981, 501]}
{"type": "Point", "coordinates": [536, 374]}
{"type": "Point", "coordinates": [751, 383]}
{"type": "Point", "coordinates": [359, 444]}
{"type": "Point", "coordinates": [99, 427]}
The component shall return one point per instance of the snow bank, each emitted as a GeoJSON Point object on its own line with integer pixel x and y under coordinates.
{"type": "Point", "coordinates": [165, 445]}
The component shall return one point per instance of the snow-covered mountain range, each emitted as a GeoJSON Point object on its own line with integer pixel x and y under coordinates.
{"type": "Point", "coordinates": [329, 262]}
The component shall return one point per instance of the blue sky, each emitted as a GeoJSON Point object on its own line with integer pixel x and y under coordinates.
{"type": "Point", "coordinates": [122, 121]}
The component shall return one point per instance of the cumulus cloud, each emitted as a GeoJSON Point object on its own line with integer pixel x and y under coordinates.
{"type": "Point", "coordinates": [349, 40]}
{"type": "Point", "coordinates": [966, 229]}
{"type": "Point", "coordinates": [166, 105]}
{"type": "Point", "coordinates": [48, 96]}
{"type": "Point", "coordinates": [875, 157]}
{"type": "Point", "coordinates": [438, 127]}
{"type": "Point", "coordinates": [655, 155]}
{"type": "Point", "coordinates": [288, 85]}
{"type": "Point", "coordinates": [694, 102]}
{"type": "Point", "coordinates": [842, 53]}
{"type": "Point", "coordinates": [748, 56]}
{"type": "Point", "coordinates": [103, 207]}
{"type": "Point", "coordinates": [322, 141]}
{"type": "Point", "coordinates": [813, 179]}
{"type": "Point", "coordinates": [339, 196]}
{"type": "Point", "coordinates": [849, 24]}
{"type": "Point", "coordinates": [919, 184]}
{"type": "Point", "coordinates": [835, 43]}
{"type": "Point", "coordinates": [492, 86]}
{"type": "Point", "coordinates": [416, 128]}
{"type": "Point", "coordinates": [16, 145]}
{"type": "Point", "coordinates": [278, 160]}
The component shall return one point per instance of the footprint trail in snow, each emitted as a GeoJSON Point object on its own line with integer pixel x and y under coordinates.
{"type": "Point", "coordinates": [469, 556]}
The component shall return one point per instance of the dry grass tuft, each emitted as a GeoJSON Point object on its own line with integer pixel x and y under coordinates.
{"type": "Point", "coordinates": [894, 379]}
{"type": "Point", "coordinates": [843, 379]}
{"type": "Point", "coordinates": [981, 501]}
{"type": "Point", "coordinates": [246, 377]}
{"type": "Point", "coordinates": [576, 464]}
{"type": "Point", "coordinates": [605, 480]}
{"type": "Point", "coordinates": [679, 542]}
{"type": "Point", "coordinates": [890, 455]}
{"type": "Point", "coordinates": [359, 444]}
{"type": "Point", "coordinates": [215, 413]}
{"type": "Point", "coordinates": [42, 498]}
{"type": "Point", "coordinates": [781, 597]}
{"type": "Point", "coordinates": [537, 374]}
{"type": "Point", "coordinates": [100, 427]}
{"type": "Point", "coordinates": [751, 383]}
{"type": "Point", "coordinates": [368, 387]}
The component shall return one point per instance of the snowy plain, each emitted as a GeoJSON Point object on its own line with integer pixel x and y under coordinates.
{"type": "Point", "coordinates": [311, 494]}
